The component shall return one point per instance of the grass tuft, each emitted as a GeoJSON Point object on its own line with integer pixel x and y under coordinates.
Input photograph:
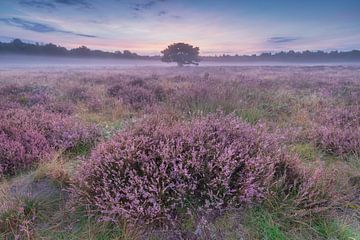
{"type": "Point", "coordinates": [264, 225]}
{"type": "Point", "coordinates": [306, 151]}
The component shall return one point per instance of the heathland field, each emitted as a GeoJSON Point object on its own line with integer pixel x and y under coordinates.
{"type": "Point", "coordinates": [180, 153]}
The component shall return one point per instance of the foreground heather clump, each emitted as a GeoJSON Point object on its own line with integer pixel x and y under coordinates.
{"type": "Point", "coordinates": [29, 135]}
{"type": "Point", "coordinates": [153, 170]}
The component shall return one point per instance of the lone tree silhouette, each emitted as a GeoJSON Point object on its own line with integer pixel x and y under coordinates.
{"type": "Point", "coordinates": [181, 53]}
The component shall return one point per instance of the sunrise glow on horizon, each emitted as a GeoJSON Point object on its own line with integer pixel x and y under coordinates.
{"type": "Point", "coordinates": [217, 27]}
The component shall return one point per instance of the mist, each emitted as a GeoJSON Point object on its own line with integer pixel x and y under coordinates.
{"type": "Point", "coordinates": [26, 61]}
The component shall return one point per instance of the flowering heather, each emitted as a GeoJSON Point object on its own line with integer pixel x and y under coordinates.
{"type": "Point", "coordinates": [62, 107]}
{"type": "Point", "coordinates": [170, 158]}
{"type": "Point", "coordinates": [211, 162]}
{"type": "Point", "coordinates": [26, 95]}
{"type": "Point", "coordinates": [138, 93]}
{"type": "Point", "coordinates": [338, 130]}
{"type": "Point", "coordinates": [76, 94]}
{"type": "Point", "coordinates": [28, 136]}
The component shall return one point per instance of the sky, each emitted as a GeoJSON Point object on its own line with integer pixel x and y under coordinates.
{"type": "Point", "coordinates": [216, 26]}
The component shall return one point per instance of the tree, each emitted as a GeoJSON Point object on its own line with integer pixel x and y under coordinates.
{"type": "Point", "coordinates": [181, 53]}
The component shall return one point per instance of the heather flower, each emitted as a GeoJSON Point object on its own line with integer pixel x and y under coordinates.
{"type": "Point", "coordinates": [337, 130]}
{"type": "Point", "coordinates": [77, 94]}
{"type": "Point", "coordinates": [27, 136]}
{"type": "Point", "coordinates": [158, 167]}
{"type": "Point", "coordinates": [138, 93]}
{"type": "Point", "coordinates": [26, 95]}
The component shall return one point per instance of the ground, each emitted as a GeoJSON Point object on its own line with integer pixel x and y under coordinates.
{"type": "Point", "coordinates": [314, 111]}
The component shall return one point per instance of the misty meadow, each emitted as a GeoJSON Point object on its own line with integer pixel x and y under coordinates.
{"type": "Point", "coordinates": [207, 152]}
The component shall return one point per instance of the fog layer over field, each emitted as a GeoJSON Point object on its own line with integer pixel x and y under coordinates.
{"type": "Point", "coordinates": [15, 61]}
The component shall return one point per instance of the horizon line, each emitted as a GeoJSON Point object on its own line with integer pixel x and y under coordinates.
{"type": "Point", "coordinates": [220, 54]}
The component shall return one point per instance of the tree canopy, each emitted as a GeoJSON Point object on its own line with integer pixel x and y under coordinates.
{"type": "Point", "coordinates": [181, 53]}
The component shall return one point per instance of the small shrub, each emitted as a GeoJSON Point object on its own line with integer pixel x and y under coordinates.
{"type": "Point", "coordinates": [62, 107]}
{"type": "Point", "coordinates": [77, 94]}
{"type": "Point", "coordinates": [138, 93]}
{"type": "Point", "coordinates": [337, 131]}
{"type": "Point", "coordinates": [20, 149]}
{"type": "Point", "coordinates": [212, 162]}
{"type": "Point", "coordinates": [27, 136]}
{"type": "Point", "coordinates": [26, 95]}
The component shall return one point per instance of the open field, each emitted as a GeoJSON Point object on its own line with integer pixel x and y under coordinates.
{"type": "Point", "coordinates": [180, 153]}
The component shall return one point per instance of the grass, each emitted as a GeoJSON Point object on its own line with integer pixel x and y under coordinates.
{"type": "Point", "coordinates": [332, 229]}
{"type": "Point", "coordinates": [111, 129]}
{"type": "Point", "coordinates": [251, 115]}
{"type": "Point", "coordinates": [21, 212]}
{"type": "Point", "coordinates": [56, 169]}
{"type": "Point", "coordinates": [79, 226]}
{"type": "Point", "coordinates": [354, 161]}
{"type": "Point", "coordinates": [306, 151]}
{"type": "Point", "coordinates": [80, 149]}
{"type": "Point", "coordinates": [280, 103]}
{"type": "Point", "coordinates": [38, 215]}
{"type": "Point", "coordinates": [264, 225]}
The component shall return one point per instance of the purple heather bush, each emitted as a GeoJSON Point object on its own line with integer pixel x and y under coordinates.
{"type": "Point", "coordinates": [30, 135]}
{"type": "Point", "coordinates": [138, 93]}
{"type": "Point", "coordinates": [61, 107]}
{"type": "Point", "coordinates": [26, 95]}
{"type": "Point", "coordinates": [151, 171]}
{"type": "Point", "coordinates": [77, 94]}
{"type": "Point", "coordinates": [337, 130]}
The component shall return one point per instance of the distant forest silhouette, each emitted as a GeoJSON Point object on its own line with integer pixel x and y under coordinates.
{"type": "Point", "coordinates": [19, 47]}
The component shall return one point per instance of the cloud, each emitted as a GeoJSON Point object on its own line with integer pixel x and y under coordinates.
{"type": "Point", "coordinates": [282, 39]}
{"type": "Point", "coordinates": [82, 3]}
{"type": "Point", "coordinates": [37, 4]}
{"type": "Point", "coordinates": [142, 6]}
{"type": "Point", "coordinates": [51, 4]}
{"type": "Point", "coordinates": [38, 27]}
{"type": "Point", "coordinates": [28, 25]}
{"type": "Point", "coordinates": [146, 5]}
{"type": "Point", "coordinates": [162, 13]}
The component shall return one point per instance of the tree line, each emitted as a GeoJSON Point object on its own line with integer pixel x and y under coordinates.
{"type": "Point", "coordinates": [19, 47]}
{"type": "Point", "coordinates": [292, 56]}
{"type": "Point", "coordinates": [181, 53]}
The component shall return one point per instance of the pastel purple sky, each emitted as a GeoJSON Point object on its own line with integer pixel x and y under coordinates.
{"type": "Point", "coordinates": [216, 26]}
